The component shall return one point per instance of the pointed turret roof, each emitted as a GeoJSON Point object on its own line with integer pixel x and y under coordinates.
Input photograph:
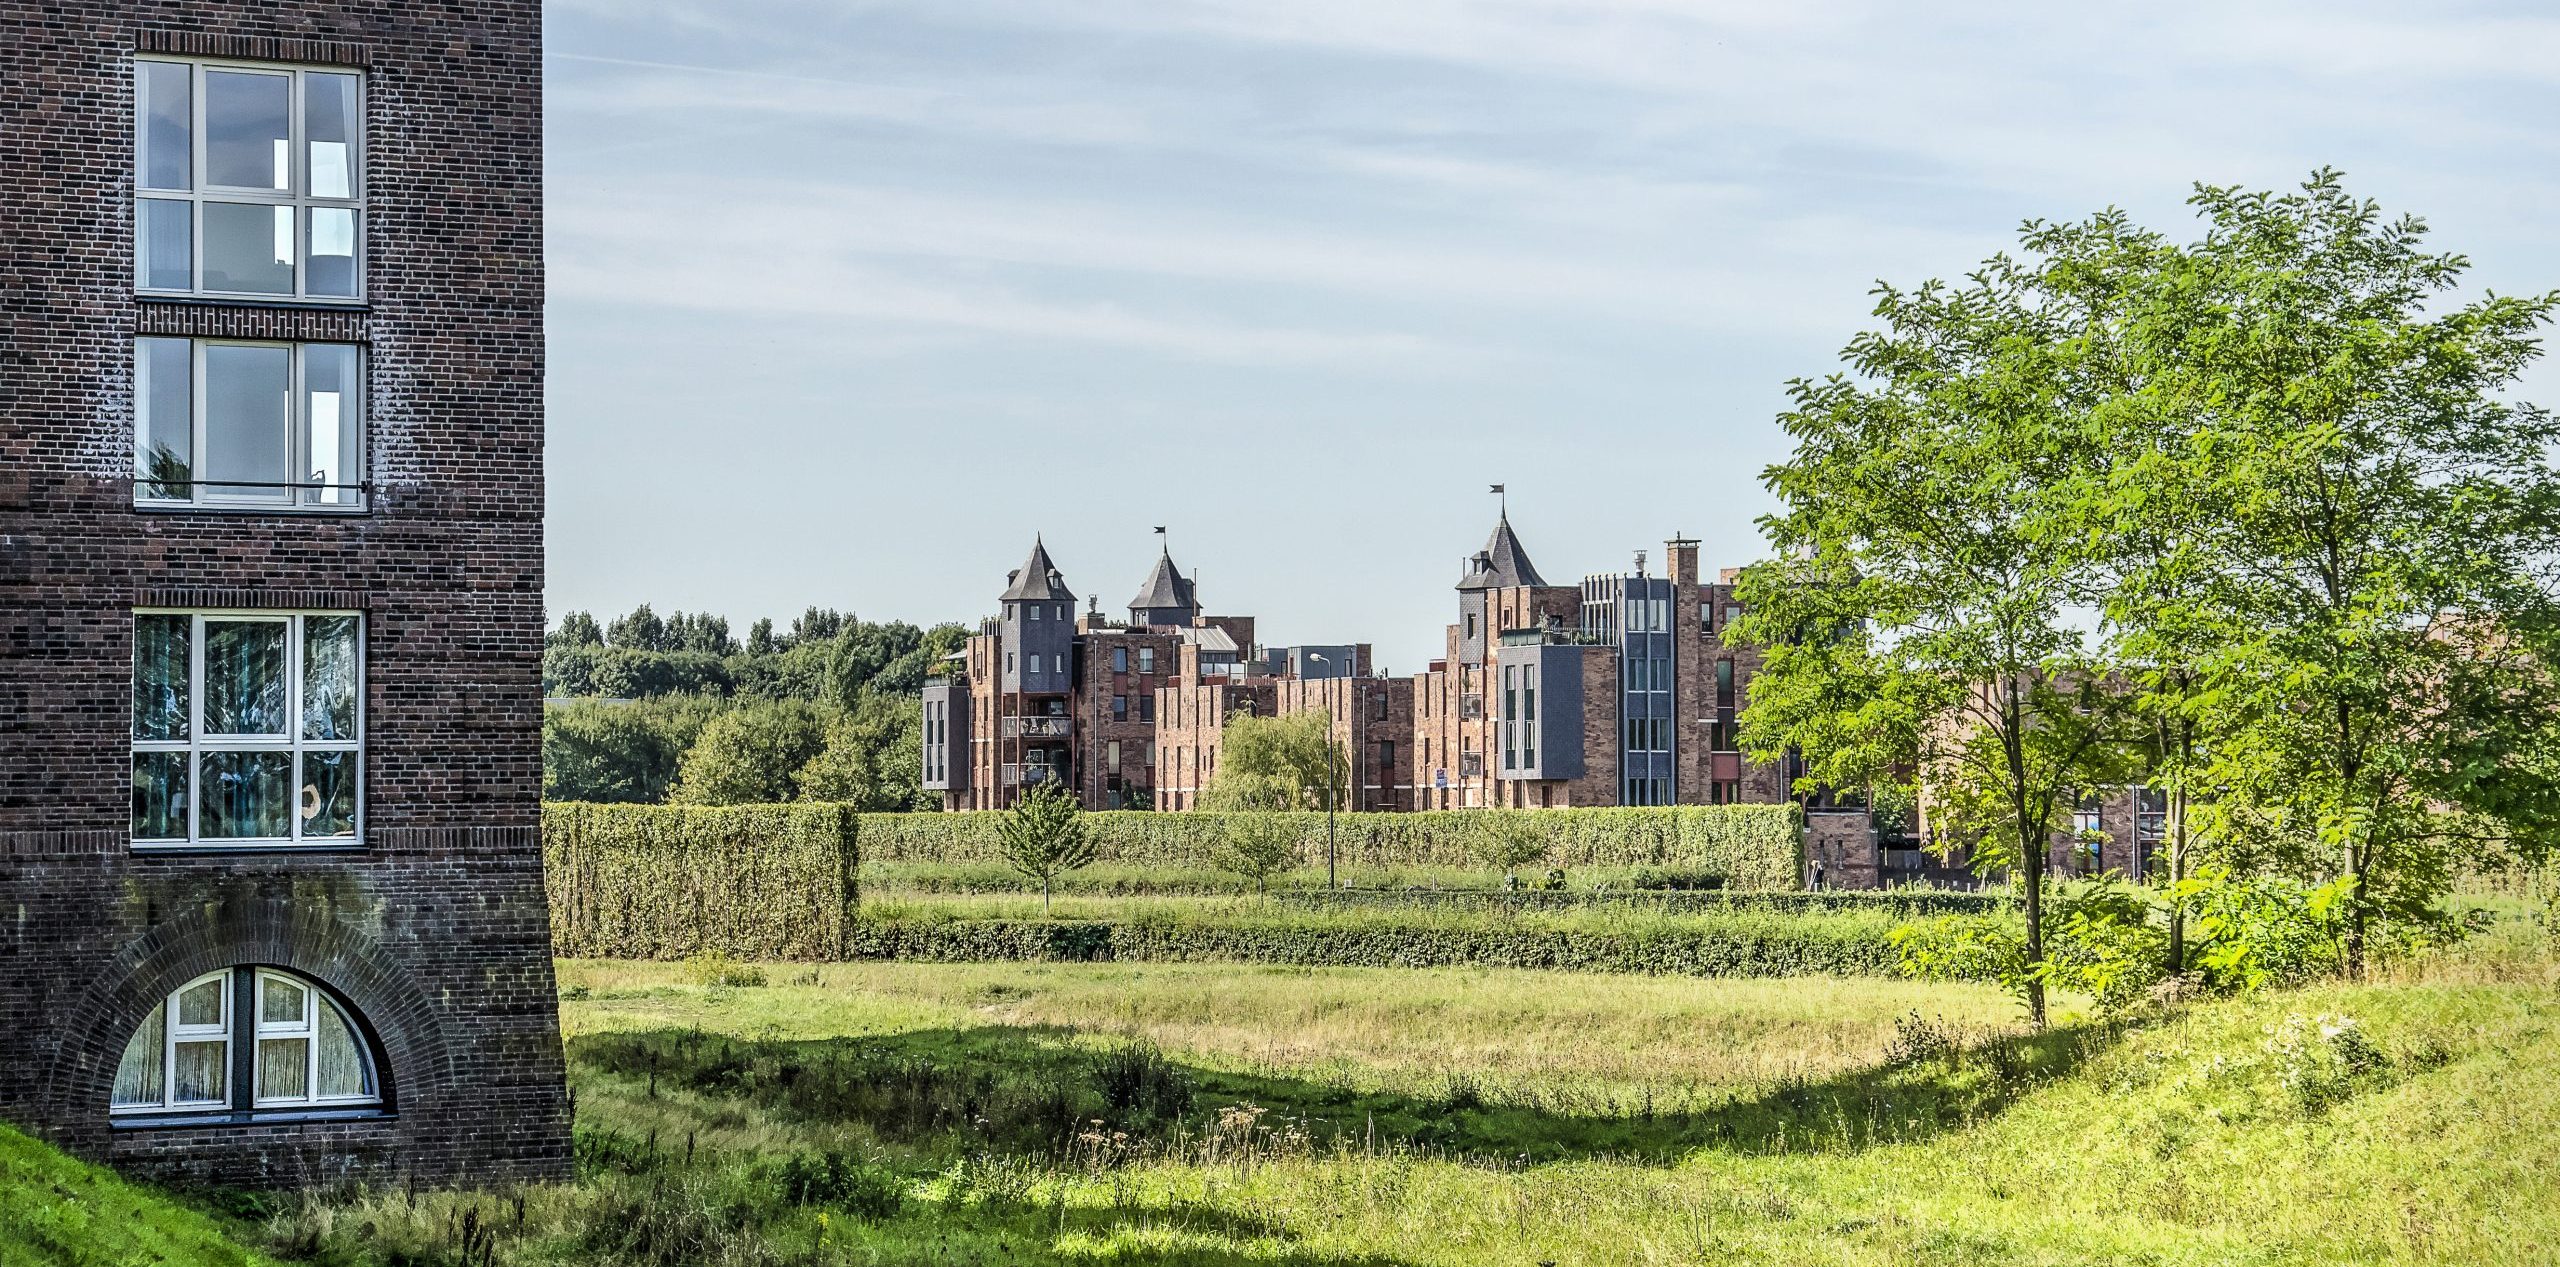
{"type": "Point", "coordinates": [1166, 587]}
{"type": "Point", "coordinates": [1502, 563]}
{"type": "Point", "coordinates": [1037, 581]}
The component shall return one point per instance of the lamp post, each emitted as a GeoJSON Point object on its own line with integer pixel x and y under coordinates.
{"type": "Point", "coordinates": [1332, 783]}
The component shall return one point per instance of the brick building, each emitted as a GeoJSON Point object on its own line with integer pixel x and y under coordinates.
{"type": "Point", "coordinates": [271, 590]}
{"type": "Point", "coordinates": [1617, 691]}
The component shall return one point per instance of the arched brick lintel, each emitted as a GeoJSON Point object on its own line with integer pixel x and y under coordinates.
{"type": "Point", "coordinates": [312, 940]}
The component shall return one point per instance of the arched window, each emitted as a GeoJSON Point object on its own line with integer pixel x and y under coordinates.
{"type": "Point", "coordinates": [245, 1040]}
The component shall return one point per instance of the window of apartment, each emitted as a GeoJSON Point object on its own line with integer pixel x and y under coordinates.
{"type": "Point", "coordinates": [1111, 755]}
{"type": "Point", "coordinates": [225, 423]}
{"type": "Point", "coordinates": [1706, 618]}
{"type": "Point", "coordinates": [250, 180]}
{"type": "Point", "coordinates": [1387, 760]}
{"type": "Point", "coordinates": [1471, 624]}
{"type": "Point", "coordinates": [247, 728]}
{"type": "Point", "coordinates": [1378, 705]}
{"type": "Point", "coordinates": [1147, 706]}
{"type": "Point", "coordinates": [1510, 693]}
{"type": "Point", "coordinates": [1119, 708]}
{"type": "Point", "coordinates": [1146, 659]}
{"type": "Point", "coordinates": [1036, 609]}
{"type": "Point", "coordinates": [1119, 659]}
{"type": "Point", "coordinates": [1724, 679]}
{"type": "Point", "coordinates": [1057, 664]}
{"type": "Point", "coordinates": [305, 1050]}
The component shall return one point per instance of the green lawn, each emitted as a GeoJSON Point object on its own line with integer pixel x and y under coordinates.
{"type": "Point", "coordinates": [999, 1113]}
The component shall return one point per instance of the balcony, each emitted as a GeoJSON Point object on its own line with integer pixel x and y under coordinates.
{"type": "Point", "coordinates": [1034, 775]}
{"type": "Point", "coordinates": [1470, 707]}
{"type": "Point", "coordinates": [1038, 727]}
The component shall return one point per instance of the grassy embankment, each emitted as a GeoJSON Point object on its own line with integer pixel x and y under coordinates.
{"type": "Point", "coordinates": [876, 1113]}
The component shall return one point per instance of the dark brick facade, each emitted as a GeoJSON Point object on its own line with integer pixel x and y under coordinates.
{"type": "Point", "coordinates": [432, 924]}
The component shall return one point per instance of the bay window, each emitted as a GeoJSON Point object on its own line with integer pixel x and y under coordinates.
{"type": "Point", "coordinates": [237, 424]}
{"type": "Point", "coordinates": [247, 728]}
{"type": "Point", "coordinates": [249, 180]}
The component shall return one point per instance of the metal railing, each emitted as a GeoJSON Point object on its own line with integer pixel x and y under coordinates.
{"type": "Point", "coordinates": [1038, 727]}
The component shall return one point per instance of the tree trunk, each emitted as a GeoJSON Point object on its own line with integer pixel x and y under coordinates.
{"type": "Point", "coordinates": [2177, 873]}
{"type": "Point", "coordinates": [2030, 846]}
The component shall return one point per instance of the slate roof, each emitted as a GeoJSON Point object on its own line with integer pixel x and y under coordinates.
{"type": "Point", "coordinates": [1166, 587]}
{"type": "Point", "coordinates": [1502, 563]}
{"type": "Point", "coordinates": [1037, 581]}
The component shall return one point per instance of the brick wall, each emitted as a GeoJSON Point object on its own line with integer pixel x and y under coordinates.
{"type": "Point", "coordinates": [433, 926]}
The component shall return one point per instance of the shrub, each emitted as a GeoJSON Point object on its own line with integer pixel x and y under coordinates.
{"type": "Point", "coordinates": [867, 1192]}
{"type": "Point", "coordinates": [716, 968]}
{"type": "Point", "coordinates": [2325, 1059]}
{"type": "Point", "coordinates": [1139, 1085]}
{"type": "Point", "coordinates": [1766, 947]}
{"type": "Point", "coordinates": [665, 881]}
{"type": "Point", "coordinates": [1749, 846]}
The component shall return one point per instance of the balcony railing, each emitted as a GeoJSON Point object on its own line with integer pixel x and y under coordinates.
{"type": "Point", "coordinates": [1470, 707]}
{"type": "Point", "coordinates": [1018, 775]}
{"type": "Point", "coordinates": [1038, 727]}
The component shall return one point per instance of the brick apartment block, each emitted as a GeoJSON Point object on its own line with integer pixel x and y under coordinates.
{"type": "Point", "coordinates": [271, 590]}
{"type": "Point", "coordinates": [1617, 691]}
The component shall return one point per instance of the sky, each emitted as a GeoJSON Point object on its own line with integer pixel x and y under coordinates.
{"type": "Point", "coordinates": [849, 300]}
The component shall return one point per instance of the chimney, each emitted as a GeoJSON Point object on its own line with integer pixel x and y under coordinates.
{"type": "Point", "coordinates": [1681, 553]}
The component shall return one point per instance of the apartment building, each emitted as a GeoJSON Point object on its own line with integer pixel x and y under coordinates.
{"type": "Point", "coordinates": [271, 591]}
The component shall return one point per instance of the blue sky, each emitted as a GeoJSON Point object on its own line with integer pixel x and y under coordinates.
{"type": "Point", "coordinates": [848, 300]}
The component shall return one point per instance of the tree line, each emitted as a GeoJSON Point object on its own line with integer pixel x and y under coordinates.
{"type": "Point", "coordinates": [648, 708]}
{"type": "Point", "coordinates": [2253, 519]}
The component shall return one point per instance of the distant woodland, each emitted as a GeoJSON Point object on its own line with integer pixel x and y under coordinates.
{"type": "Point", "coordinates": [675, 708]}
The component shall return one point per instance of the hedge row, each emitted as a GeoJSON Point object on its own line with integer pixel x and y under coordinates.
{"type": "Point", "coordinates": [663, 881]}
{"type": "Point", "coordinates": [1907, 903]}
{"type": "Point", "coordinates": [1680, 952]}
{"type": "Point", "coordinates": [1748, 846]}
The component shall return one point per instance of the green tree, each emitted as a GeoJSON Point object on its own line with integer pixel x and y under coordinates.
{"type": "Point", "coordinates": [752, 754]}
{"type": "Point", "coordinates": [871, 758]}
{"type": "Point", "coordinates": [617, 750]}
{"type": "Point", "coordinates": [2385, 515]}
{"type": "Point", "coordinates": [1507, 840]}
{"type": "Point", "coordinates": [1045, 837]}
{"type": "Point", "coordinates": [1258, 846]}
{"type": "Point", "coordinates": [1275, 763]}
{"type": "Point", "coordinates": [1921, 608]}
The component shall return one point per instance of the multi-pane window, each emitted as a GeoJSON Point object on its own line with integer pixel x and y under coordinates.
{"type": "Point", "coordinates": [1146, 659]}
{"type": "Point", "coordinates": [249, 180]}
{"type": "Point", "coordinates": [247, 728]}
{"type": "Point", "coordinates": [224, 423]}
{"type": "Point", "coordinates": [304, 1051]}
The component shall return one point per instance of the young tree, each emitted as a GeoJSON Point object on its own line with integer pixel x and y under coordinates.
{"type": "Point", "coordinates": [1920, 608]}
{"type": "Point", "coordinates": [1258, 846]}
{"type": "Point", "coordinates": [1507, 840]}
{"type": "Point", "coordinates": [1044, 836]}
{"type": "Point", "coordinates": [2389, 517]}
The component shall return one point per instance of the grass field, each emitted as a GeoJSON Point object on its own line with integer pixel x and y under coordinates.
{"type": "Point", "coordinates": [1198, 1114]}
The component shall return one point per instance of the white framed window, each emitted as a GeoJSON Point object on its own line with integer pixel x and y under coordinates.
{"type": "Point", "coordinates": [306, 1052]}
{"type": "Point", "coordinates": [231, 423]}
{"type": "Point", "coordinates": [248, 729]}
{"type": "Point", "coordinates": [248, 180]}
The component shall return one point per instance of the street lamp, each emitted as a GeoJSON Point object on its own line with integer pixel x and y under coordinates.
{"type": "Point", "coordinates": [1331, 781]}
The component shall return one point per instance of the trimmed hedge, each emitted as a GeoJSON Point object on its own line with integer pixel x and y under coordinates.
{"type": "Point", "coordinates": [1909, 904]}
{"type": "Point", "coordinates": [1715, 952]}
{"type": "Point", "coordinates": [664, 881]}
{"type": "Point", "coordinates": [1748, 846]}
